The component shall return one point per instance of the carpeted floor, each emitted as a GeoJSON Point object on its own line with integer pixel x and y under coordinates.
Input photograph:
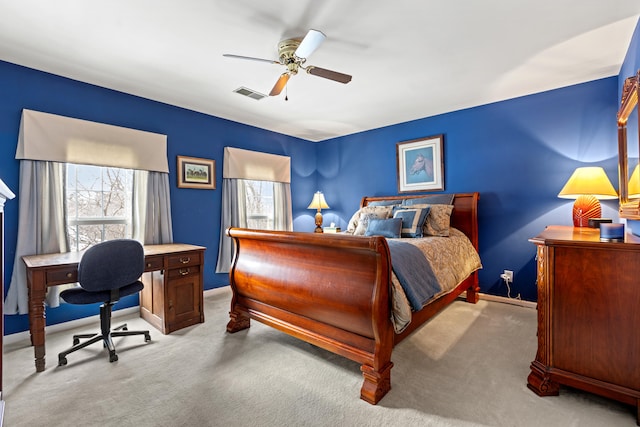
{"type": "Point", "coordinates": [467, 367]}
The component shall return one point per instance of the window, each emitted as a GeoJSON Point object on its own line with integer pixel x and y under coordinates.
{"type": "Point", "coordinates": [259, 204]}
{"type": "Point", "coordinates": [98, 204]}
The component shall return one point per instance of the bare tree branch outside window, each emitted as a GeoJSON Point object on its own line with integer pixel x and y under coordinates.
{"type": "Point", "coordinates": [98, 204]}
{"type": "Point", "coordinates": [259, 202]}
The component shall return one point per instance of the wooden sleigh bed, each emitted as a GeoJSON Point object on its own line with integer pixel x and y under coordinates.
{"type": "Point", "coordinates": [334, 290]}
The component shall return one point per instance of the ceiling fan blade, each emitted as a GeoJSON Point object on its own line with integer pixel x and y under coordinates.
{"type": "Point", "coordinates": [328, 74]}
{"type": "Point", "coordinates": [309, 43]}
{"type": "Point", "coordinates": [271, 61]}
{"type": "Point", "coordinates": [280, 84]}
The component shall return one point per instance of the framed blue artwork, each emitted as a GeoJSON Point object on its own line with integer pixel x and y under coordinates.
{"type": "Point", "coordinates": [420, 164]}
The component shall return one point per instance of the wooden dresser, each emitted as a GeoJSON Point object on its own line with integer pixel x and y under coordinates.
{"type": "Point", "coordinates": [172, 297]}
{"type": "Point", "coordinates": [588, 315]}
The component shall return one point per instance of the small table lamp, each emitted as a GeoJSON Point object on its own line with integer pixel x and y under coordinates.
{"type": "Point", "coordinates": [318, 202]}
{"type": "Point", "coordinates": [587, 185]}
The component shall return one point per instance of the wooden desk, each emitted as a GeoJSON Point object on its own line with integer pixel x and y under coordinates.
{"type": "Point", "coordinates": [171, 299]}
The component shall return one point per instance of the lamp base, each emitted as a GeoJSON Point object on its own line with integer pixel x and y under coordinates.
{"type": "Point", "coordinates": [585, 208]}
{"type": "Point", "coordinates": [318, 223]}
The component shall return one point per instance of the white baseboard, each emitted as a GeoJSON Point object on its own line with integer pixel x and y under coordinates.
{"type": "Point", "coordinates": [505, 300]}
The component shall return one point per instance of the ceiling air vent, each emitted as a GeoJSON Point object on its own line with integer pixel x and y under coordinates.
{"type": "Point", "coordinates": [250, 93]}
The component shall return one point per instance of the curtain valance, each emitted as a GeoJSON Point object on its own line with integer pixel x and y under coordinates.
{"type": "Point", "coordinates": [246, 164]}
{"type": "Point", "coordinates": [50, 137]}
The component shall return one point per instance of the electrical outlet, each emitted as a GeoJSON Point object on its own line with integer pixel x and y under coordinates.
{"type": "Point", "coordinates": [508, 276]}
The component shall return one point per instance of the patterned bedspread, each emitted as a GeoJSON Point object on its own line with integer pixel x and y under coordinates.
{"type": "Point", "coordinates": [452, 260]}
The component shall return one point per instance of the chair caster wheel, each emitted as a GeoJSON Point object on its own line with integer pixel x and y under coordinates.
{"type": "Point", "coordinates": [113, 357]}
{"type": "Point", "coordinates": [147, 337]}
{"type": "Point", "coordinates": [76, 341]}
{"type": "Point", "coordinates": [124, 328]}
{"type": "Point", "coordinates": [62, 361]}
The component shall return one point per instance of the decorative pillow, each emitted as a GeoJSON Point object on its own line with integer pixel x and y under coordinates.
{"type": "Point", "coordinates": [363, 221]}
{"type": "Point", "coordinates": [436, 199]}
{"type": "Point", "coordinates": [413, 220]}
{"type": "Point", "coordinates": [439, 220]}
{"type": "Point", "coordinates": [390, 228]}
{"type": "Point", "coordinates": [382, 212]}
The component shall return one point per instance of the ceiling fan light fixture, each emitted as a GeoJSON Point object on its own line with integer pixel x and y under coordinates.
{"type": "Point", "coordinates": [280, 84]}
{"type": "Point", "coordinates": [310, 43]}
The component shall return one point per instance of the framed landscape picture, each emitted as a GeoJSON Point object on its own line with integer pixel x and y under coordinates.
{"type": "Point", "coordinates": [194, 172]}
{"type": "Point", "coordinates": [420, 164]}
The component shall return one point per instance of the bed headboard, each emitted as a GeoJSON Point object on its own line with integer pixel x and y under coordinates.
{"type": "Point", "coordinates": [464, 216]}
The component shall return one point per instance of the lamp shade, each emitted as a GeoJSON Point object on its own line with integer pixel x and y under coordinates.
{"type": "Point", "coordinates": [587, 185]}
{"type": "Point", "coordinates": [318, 202]}
{"type": "Point", "coordinates": [588, 181]}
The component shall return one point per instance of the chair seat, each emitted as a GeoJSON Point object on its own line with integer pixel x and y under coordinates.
{"type": "Point", "coordinates": [81, 296]}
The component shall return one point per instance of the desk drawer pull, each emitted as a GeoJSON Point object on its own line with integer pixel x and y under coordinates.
{"type": "Point", "coordinates": [185, 260]}
{"type": "Point", "coordinates": [69, 275]}
{"type": "Point", "coordinates": [184, 271]}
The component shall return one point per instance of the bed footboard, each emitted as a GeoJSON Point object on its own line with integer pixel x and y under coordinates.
{"type": "Point", "coordinates": [329, 290]}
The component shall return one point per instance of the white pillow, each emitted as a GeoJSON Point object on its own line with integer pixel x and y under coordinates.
{"type": "Point", "coordinates": [382, 212]}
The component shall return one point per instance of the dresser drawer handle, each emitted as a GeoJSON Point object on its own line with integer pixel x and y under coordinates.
{"type": "Point", "coordinates": [185, 260]}
{"type": "Point", "coordinates": [69, 275]}
{"type": "Point", "coordinates": [184, 271]}
{"type": "Point", "coordinates": [148, 265]}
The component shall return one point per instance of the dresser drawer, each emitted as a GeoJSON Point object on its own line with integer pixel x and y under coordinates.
{"type": "Point", "coordinates": [153, 263]}
{"type": "Point", "coordinates": [184, 259]}
{"type": "Point", "coordinates": [184, 271]}
{"type": "Point", "coordinates": [62, 275]}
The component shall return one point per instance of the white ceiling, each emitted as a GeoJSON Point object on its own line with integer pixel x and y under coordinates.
{"type": "Point", "coordinates": [409, 59]}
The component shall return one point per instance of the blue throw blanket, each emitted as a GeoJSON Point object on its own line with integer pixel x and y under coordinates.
{"type": "Point", "coordinates": [414, 273]}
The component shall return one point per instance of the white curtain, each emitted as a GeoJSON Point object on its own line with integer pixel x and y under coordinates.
{"type": "Point", "coordinates": [41, 227]}
{"type": "Point", "coordinates": [233, 215]}
{"type": "Point", "coordinates": [151, 208]}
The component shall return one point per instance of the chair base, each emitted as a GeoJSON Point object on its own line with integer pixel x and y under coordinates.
{"type": "Point", "coordinates": [105, 336]}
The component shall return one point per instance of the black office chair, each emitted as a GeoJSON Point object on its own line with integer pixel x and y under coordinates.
{"type": "Point", "coordinates": [106, 272]}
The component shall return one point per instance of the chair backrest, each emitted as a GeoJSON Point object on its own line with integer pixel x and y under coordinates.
{"type": "Point", "coordinates": [111, 264]}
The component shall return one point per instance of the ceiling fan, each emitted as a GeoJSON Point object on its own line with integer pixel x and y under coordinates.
{"type": "Point", "coordinates": [293, 54]}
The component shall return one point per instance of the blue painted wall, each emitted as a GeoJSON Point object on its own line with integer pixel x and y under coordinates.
{"type": "Point", "coordinates": [517, 153]}
{"type": "Point", "coordinates": [196, 213]}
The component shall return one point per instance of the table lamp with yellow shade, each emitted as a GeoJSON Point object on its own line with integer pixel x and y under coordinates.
{"type": "Point", "coordinates": [318, 202]}
{"type": "Point", "coordinates": [587, 185]}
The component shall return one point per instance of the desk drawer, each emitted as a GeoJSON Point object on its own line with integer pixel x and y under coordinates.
{"type": "Point", "coordinates": [185, 259]}
{"type": "Point", "coordinates": [184, 271]}
{"type": "Point", "coordinates": [62, 275]}
{"type": "Point", "coordinates": [153, 263]}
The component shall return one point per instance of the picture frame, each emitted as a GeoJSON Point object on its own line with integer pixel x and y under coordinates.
{"type": "Point", "coordinates": [420, 164]}
{"type": "Point", "coordinates": [194, 172]}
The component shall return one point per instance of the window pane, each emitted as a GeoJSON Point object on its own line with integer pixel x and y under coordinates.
{"type": "Point", "coordinates": [95, 198]}
{"type": "Point", "coordinates": [259, 202]}
{"type": "Point", "coordinates": [88, 235]}
{"type": "Point", "coordinates": [114, 231]}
